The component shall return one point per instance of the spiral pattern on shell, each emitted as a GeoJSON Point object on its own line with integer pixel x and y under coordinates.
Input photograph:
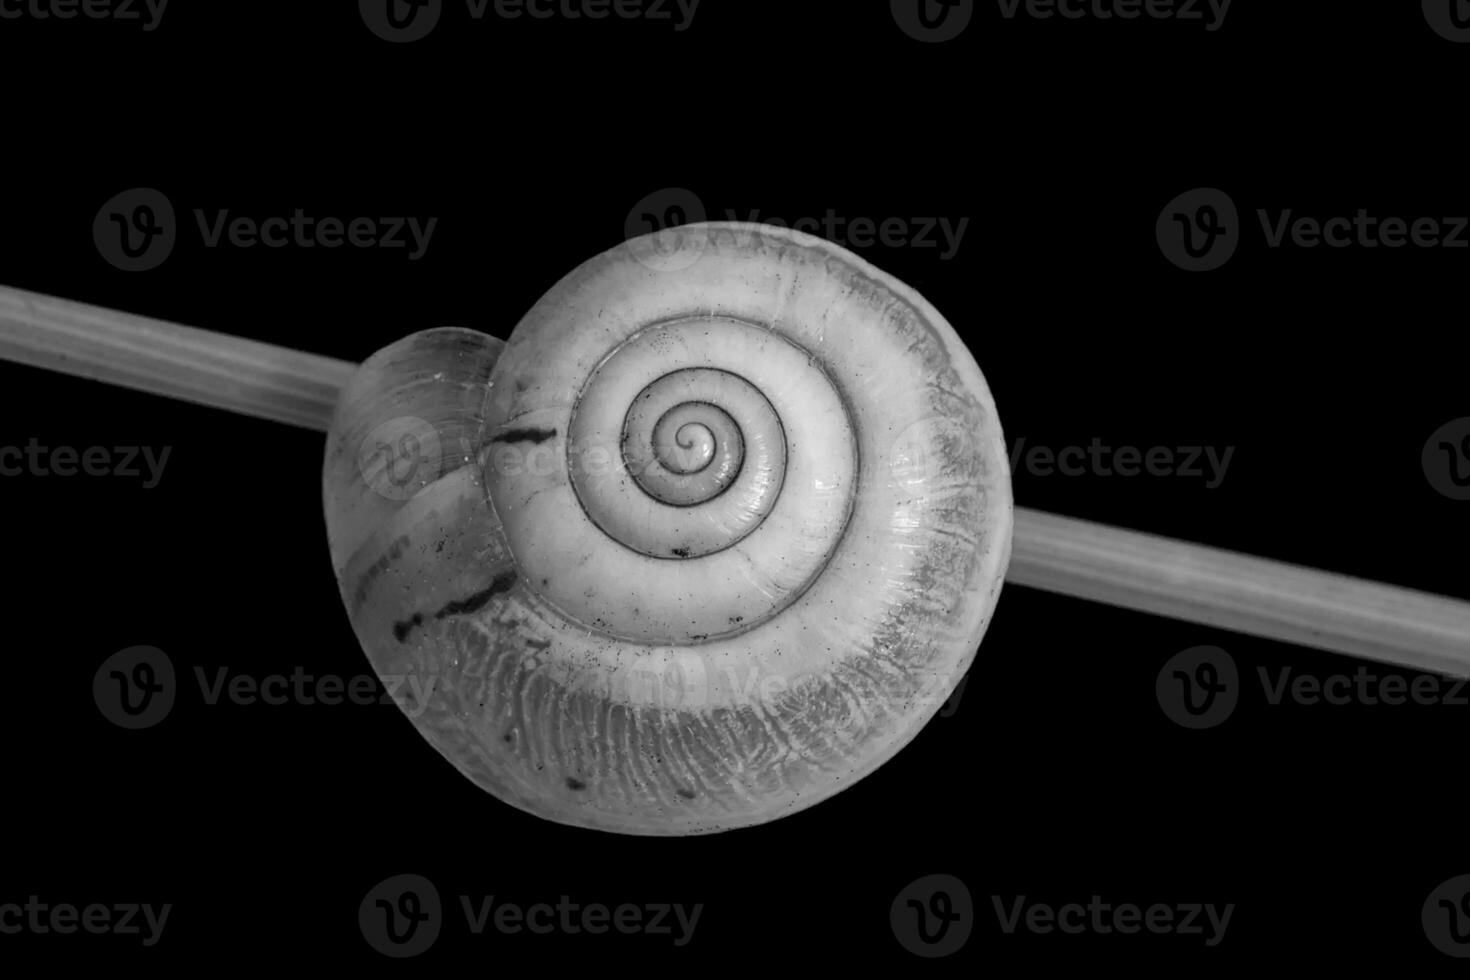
{"type": "Point", "coordinates": [711, 537]}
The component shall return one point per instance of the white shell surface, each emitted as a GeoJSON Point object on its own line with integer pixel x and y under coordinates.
{"type": "Point", "coordinates": [574, 670]}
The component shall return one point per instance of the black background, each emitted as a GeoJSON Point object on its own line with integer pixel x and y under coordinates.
{"type": "Point", "coordinates": [1057, 776]}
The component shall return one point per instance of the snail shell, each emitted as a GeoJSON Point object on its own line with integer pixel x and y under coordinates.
{"type": "Point", "coordinates": [709, 539]}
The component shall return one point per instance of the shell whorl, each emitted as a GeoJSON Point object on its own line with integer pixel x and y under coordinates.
{"type": "Point", "coordinates": [619, 541]}
{"type": "Point", "coordinates": [712, 536]}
